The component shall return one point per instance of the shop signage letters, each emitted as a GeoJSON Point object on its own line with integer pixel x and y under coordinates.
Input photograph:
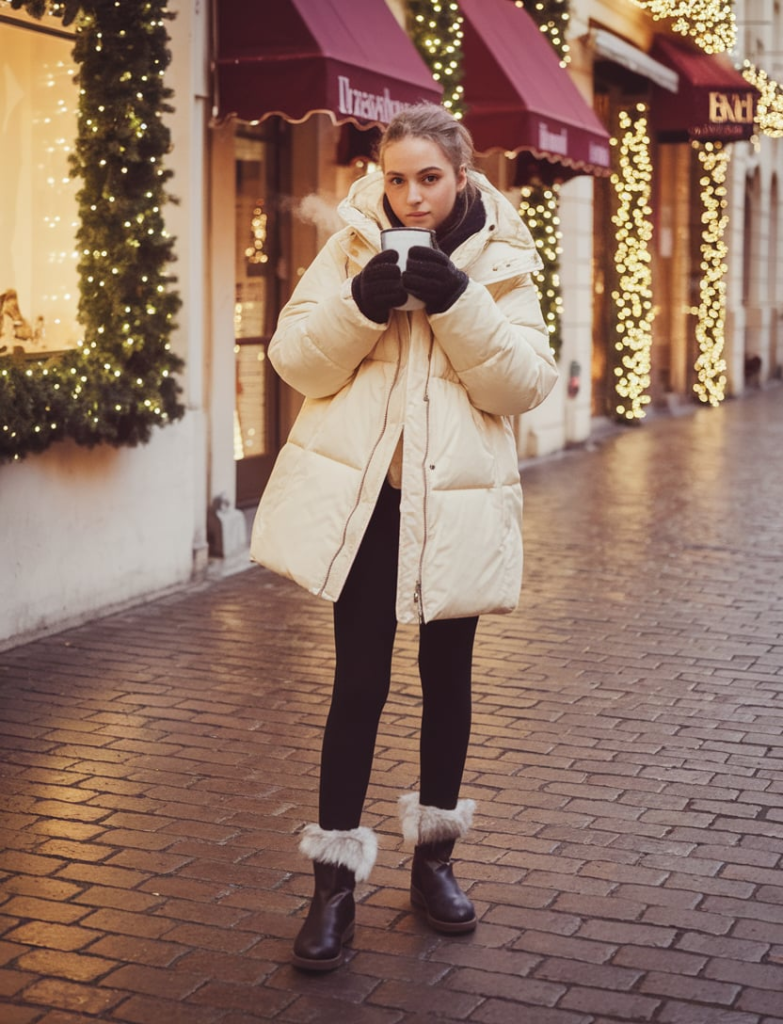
{"type": "Point", "coordinates": [732, 107]}
{"type": "Point", "coordinates": [553, 142]}
{"type": "Point", "coordinates": [599, 155]}
{"type": "Point", "coordinates": [368, 105]}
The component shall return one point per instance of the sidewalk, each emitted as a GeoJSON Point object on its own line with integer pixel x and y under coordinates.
{"type": "Point", "coordinates": [627, 764]}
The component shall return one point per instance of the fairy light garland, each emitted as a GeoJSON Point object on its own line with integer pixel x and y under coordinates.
{"type": "Point", "coordinates": [711, 24]}
{"type": "Point", "coordinates": [539, 205]}
{"type": "Point", "coordinates": [769, 109]}
{"type": "Point", "coordinates": [710, 386]}
{"type": "Point", "coordinates": [119, 382]}
{"type": "Point", "coordinates": [255, 253]}
{"type": "Point", "coordinates": [633, 297]}
{"type": "Point", "coordinates": [552, 17]}
{"type": "Point", "coordinates": [436, 30]}
{"type": "Point", "coordinates": [539, 208]}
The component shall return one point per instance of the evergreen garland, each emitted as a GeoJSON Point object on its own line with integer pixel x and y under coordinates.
{"type": "Point", "coordinates": [435, 26]}
{"type": "Point", "coordinates": [552, 18]}
{"type": "Point", "coordinates": [539, 203]}
{"type": "Point", "coordinates": [118, 384]}
{"type": "Point", "coordinates": [539, 207]}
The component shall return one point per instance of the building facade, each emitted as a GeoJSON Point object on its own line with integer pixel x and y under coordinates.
{"type": "Point", "coordinates": [656, 314]}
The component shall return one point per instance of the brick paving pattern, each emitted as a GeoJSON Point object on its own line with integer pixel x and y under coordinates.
{"type": "Point", "coordinates": [627, 763]}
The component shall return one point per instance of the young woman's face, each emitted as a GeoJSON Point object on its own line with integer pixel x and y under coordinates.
{"type": "Point", "coordinates": [420, 182]}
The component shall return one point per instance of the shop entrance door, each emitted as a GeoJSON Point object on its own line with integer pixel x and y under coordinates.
{"type": "Point", "coordinates": [258, 159]}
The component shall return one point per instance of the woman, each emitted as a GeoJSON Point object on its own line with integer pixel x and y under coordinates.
{"type": "Point", "coordinates": [397, 495]}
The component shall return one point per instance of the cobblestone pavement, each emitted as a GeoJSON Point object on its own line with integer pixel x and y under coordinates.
{"type": "Point", "coordinates": [627, 764]}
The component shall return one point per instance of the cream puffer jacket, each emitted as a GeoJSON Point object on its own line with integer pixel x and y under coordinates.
{"type": "Point", "coordinates": [446, 383]}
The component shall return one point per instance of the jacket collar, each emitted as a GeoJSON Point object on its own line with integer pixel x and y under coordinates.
{"type": "Point", "coordinates": [467, 217]}
{"type": "Point", "coordinates": [363, 211]}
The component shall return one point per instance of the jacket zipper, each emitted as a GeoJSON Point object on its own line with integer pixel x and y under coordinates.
{"type": "Point", "coordinates": [373, 450]}
{"type": "Point", "coordinates": [418, 597]}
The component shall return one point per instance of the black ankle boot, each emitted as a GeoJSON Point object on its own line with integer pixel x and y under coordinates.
{"type": "Point", "coordinates": [330, 920]}
{"type": "Point", "coordinates": [436, 890]}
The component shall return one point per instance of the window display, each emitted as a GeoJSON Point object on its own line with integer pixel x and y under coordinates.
{"type": "Point", "coordinates": [38, 208]}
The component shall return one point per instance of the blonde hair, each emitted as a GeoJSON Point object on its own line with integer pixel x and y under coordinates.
{"type": "Point", "coordinates": [433, 122]}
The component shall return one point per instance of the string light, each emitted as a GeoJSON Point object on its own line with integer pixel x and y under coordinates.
{"type": "Point", "coordinates": [711, 24]}
{"type": "Point", "coordinates": [436, 30]}
{"type": "Point", "coordinates": [254, 253]}
{"type": "Point", "coordinates": [539, 208]}
{"type": "Point", "coordinates": [633, 296]}
{"type": "Point", "coordinates": [552, 17]}
{"type": "Point", "coordinates": [710, 315]}
{"type": "Point", "coordinates": [769, 109]}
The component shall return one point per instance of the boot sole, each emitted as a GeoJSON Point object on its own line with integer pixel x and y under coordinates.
{"type": "Point", "coordinates": [447, 927]}
{"type": "Point", "coordinates": [305, 964]}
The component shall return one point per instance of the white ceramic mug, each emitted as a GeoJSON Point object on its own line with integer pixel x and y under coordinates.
{"type": "Point", "coordinates": [401, 240]}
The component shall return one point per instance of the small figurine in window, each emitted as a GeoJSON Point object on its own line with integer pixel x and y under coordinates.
{"type": "Point", "coordinates": [9, 307]}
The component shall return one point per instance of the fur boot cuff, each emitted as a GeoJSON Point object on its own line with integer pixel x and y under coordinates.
{"type": "Point", "coordinates": [423, 824]}
{"type": "Point", "coordinates": [354, 848]}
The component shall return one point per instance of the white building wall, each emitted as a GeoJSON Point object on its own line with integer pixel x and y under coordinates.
{"type": "Point", "coordinates": [576, 276]}
{"type": "Point", "coordinates": [188, 76]}
{"type": "Point", "coordinates": [89, 530]}
{"type": "Point", "coordinates": [734, 348]}
{"type": "Point", "coordinates": [754, 280]}
{"type": "Point", "coordinates": [776, 277]}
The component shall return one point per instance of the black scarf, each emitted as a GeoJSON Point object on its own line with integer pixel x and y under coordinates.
{"type": "Point", "coordinates": [467, 217]}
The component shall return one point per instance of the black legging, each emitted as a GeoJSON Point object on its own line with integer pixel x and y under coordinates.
{"type": "Point", "coordinates": [364, 629]}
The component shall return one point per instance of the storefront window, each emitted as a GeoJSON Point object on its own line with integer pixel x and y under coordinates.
{"type": "Point", "coordinates": [262, 205]}
{"type": "Point", "coordinates": [254, 298]}
{"type": "Point", "coordinates": [253, 262]}
{"type": "Point", "coordinates": [250, 418]}
{"type": "Point", "coordinates": [38, 208]}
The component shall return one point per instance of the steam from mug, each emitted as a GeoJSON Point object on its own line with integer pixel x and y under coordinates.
{"type": "Point", "coordinates": [401, 240]}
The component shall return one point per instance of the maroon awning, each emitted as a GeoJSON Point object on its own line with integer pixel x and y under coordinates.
{"type": "Point", "coordinates": [519, 98]}
{"type": "Point", "coordinates": [713, 103]}
{"type": "Point", "coordinates": [347, 58]}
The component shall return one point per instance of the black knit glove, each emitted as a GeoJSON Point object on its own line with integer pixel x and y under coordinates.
{"type": "Point", "coordinates": [378, 287]}
{"type": "Point", "coordinates": [432, 277]}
